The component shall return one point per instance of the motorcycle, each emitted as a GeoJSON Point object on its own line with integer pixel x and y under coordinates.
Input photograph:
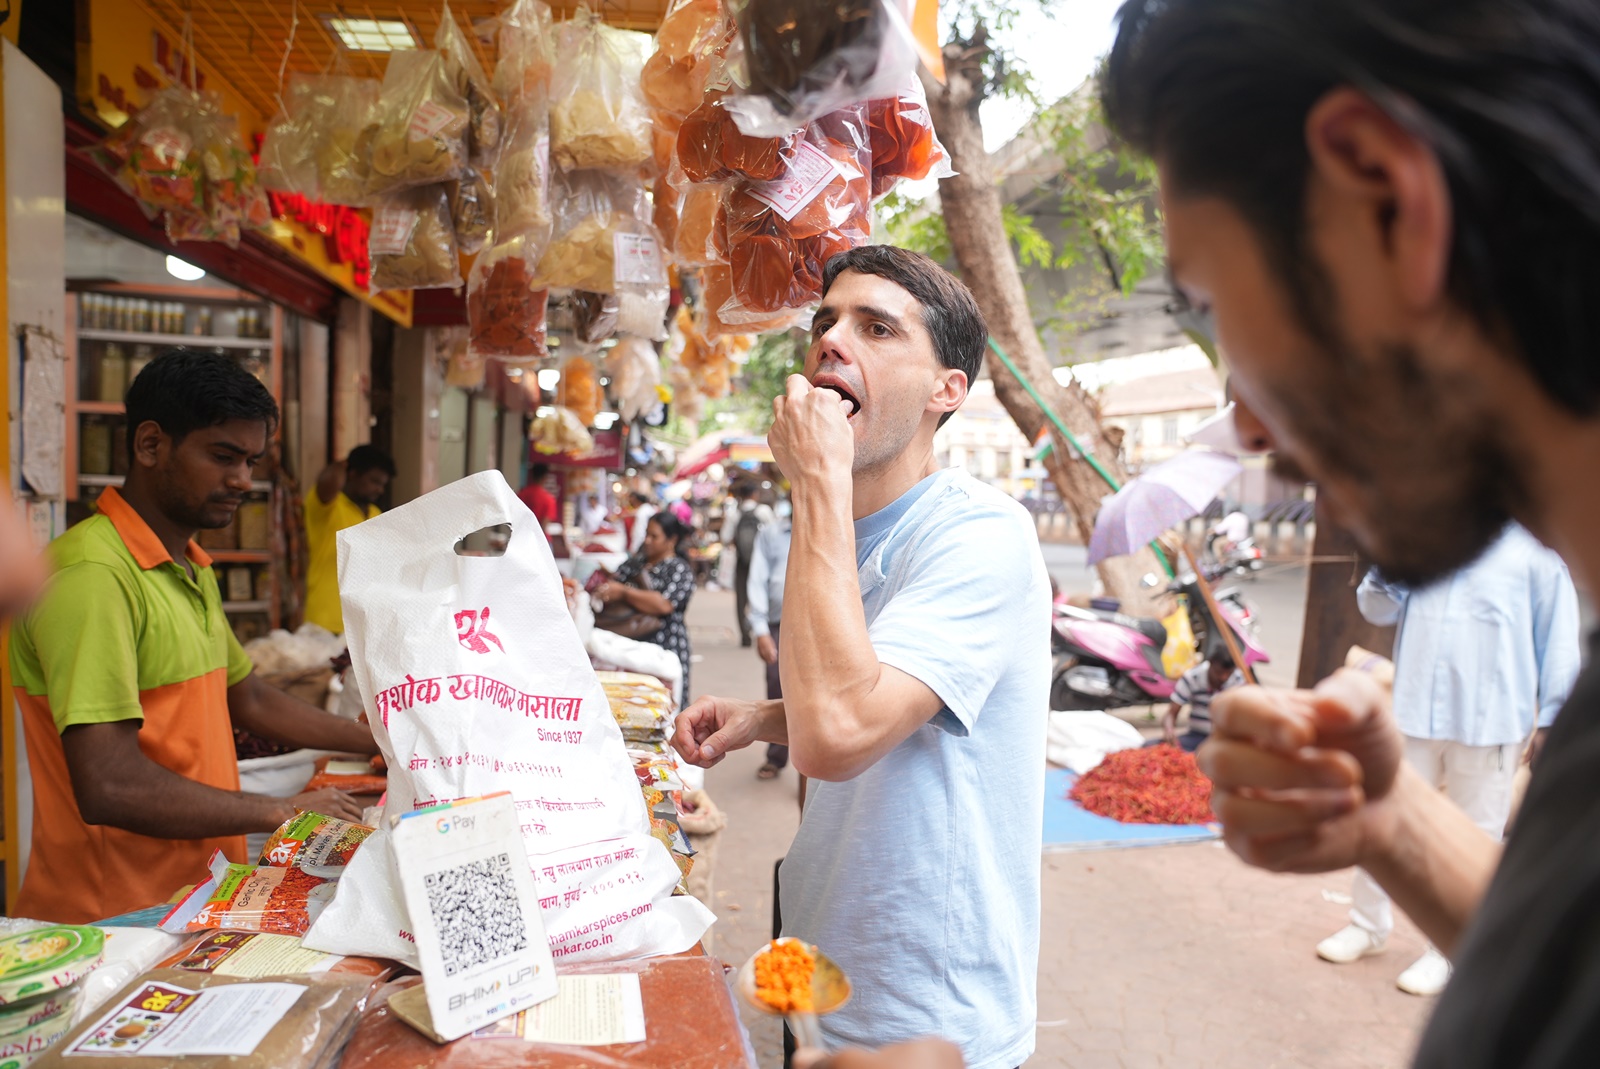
{"type": "Point", "coordinates": [1243, 558]}
{"type": "Point", "coordinates": [1104, 659]}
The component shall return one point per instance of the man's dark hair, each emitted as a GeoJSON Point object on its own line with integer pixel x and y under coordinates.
{"type": "Point", "coordinates": [183, 390]}
{"type": "Point", "coordinates": [744, 491]}
{"type": "Point", "coordinates": [950, 314]}
{"type": "Point", "coordinates": [1506, 92]}
{"type": "Point", "coordinates": [538, 473]}
{"type": "Point", "coordinates": [365, 458]}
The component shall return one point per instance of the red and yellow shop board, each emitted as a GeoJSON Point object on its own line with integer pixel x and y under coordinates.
{"type": "Point", "coordinates": [125, 52]}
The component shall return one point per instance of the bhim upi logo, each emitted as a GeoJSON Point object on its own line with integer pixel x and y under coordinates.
{"type": "Point", "coordinates": [472, 628]}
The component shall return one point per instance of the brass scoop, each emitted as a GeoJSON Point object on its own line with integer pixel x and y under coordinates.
{"type": "Point", "coordinates": [830, 989]}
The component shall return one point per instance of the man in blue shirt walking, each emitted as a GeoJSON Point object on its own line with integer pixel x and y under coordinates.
{"type": "Point", "coordinates": [1484, 659]}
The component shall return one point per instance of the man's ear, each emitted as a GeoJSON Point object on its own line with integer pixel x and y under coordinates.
{"type": "Point", "coordinates": [1364, 155]}
{"type": "Point", "coordinates": [949, 392]}
{"type": "Point", "coordinates": [149, 443]}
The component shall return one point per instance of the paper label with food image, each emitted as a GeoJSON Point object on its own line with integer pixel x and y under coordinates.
{"type": "Point", "coordinates": [428, 120]}
{"type": "Point", "coordinates": [253, 954]}
{"type": "Point", "coordinates": [162, 1020]}
{"type": "Point", "coordinates": [391, 230]}
{"type": "Point", "coordinates": [637, 259]}
{"type": "Point", "coordinates": [808, 172]}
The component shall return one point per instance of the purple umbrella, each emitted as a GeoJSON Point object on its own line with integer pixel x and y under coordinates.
{"type": "Point", "coordinates": [1163, 497]}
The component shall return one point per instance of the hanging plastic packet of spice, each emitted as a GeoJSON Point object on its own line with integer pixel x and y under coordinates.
{"type": "Point", "coordinates": [806, 58]}
{"type": "Point", "coordinates": [522, 179]}
{"type": "Point", "coordinates": [598, 117]}
{"type": "Point", "coordinates": [505, 310]}
{"type": "Point", "coordinates": [675, 76]}
{"type": "Point", "coordinates": [712, 148]}
{"type": "Point", "coordinates": [152, 157]}
{"type": "Point", "coordinates": [635, 372]}
{"type": "Point", "coordinates": [716, 293]}
{"type": "Point", "coordinates": [251, 898]}
{"type": "Point", "coordinates": [904, 145]}
{"type": "Point", "coordinates": [579, 390]}
{"type": "Point", "coordinates": [778, 236]}
{"type": "Point", "coordinates": [471, 211]}
{"type": "Point", "coordinates": [288, 162]}
{"type": "Point", "coordinates": [594, 318]}
{"type": "Point", "coordinates": [664, 205]}
{"type": "Point", "coordinates": [412, 244]}
{"type": "Point", "coordinates": [420, 134]}
{"type": "Point", "coordinates": [234, 199]}
{"type": "Point", "coordinates": [695, 245]}
{"type": "Point", "coordinates": [525, 36]}
{"type": "Point", "coordinates": [341, 118]}
{"type": "Point", "coordinates": [464, 70]}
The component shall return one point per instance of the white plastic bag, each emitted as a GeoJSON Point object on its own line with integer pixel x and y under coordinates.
{"type": "Point", "coordinates": [479, 684]}
{"type": "Point", "coordinates": [1080, 740]}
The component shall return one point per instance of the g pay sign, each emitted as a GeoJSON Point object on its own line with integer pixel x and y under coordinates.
{"type": "Point", "coordinates": [474, 911]}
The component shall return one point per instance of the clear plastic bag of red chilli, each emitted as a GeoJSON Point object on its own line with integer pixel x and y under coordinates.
{"type": "Point", "coordinates": [777, 236]}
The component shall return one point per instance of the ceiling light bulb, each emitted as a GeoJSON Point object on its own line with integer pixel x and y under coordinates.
{"type": "Point", "coordinates": [184, 269]}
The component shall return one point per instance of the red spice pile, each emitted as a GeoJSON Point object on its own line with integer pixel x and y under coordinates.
{"type": "Point", "coordinates": [1151, 785]}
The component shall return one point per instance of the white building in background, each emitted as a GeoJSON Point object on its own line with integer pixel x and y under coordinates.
{"type": "Point", "coordinates": [981, 438]}
{"type": "Point", "coordinates": [1155, 398]}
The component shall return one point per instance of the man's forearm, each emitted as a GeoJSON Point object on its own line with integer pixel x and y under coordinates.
{"type": "Point", "coordinates": [1431, 859]}
{"type": "Point", "coordinates": [826, 658]}
{"type": "Point", "coordinates": [157, 802]}
{"type": "Point", "coordinates": [264, 710]}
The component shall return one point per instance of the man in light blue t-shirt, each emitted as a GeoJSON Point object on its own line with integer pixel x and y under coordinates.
{"type": "Point", "coordinates": [915, 666]}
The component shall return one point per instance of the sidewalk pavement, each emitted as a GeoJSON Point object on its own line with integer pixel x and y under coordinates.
{"type": "Point", "coordinates": [1154, 957]}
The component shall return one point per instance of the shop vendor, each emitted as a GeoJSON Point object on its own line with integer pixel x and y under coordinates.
{"type": "Point", "coordinates": [129, 677]}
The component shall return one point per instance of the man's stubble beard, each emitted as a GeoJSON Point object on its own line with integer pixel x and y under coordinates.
{"type": "Point", "coordinates": [1441, 480]}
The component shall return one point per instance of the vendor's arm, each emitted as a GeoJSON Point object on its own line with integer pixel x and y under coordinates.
{"type": "Point", "coordinates": [262, 709]}
{"type": "Point", "coordinates": [1311, 781]}
{"type": "Point", "coordinates": [646, 601]}
{"type": "Point", "coordinates": [115, 784]}
{"type": "Point", "coordinates": [330, 482]}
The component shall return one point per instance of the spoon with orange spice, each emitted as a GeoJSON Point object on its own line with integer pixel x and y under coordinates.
{"type": "Point", "coordinates": [795, 979]}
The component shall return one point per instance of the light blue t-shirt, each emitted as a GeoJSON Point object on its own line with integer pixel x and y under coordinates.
{"type": "Point", "coordinates": [920, 877]}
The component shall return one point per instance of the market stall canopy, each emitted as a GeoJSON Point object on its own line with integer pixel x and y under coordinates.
{"type": "Point", "coordinates": [717, 448]}
{"type": "Point", "coordinates": [243, 40]}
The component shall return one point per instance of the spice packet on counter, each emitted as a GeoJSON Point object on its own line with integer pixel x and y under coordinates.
{"type": "Point", "coordinates": [171, 1017]}
{"type": "Point", "coordinates": [252, 898]}
{"type": "Point", "coordinates": [358, 776]}
{"type": "Point", "coordinates": [690, 1022]}
{"type": "Point", "coordinates": [251, 955]}
{"type": "Point", "coordinates": [315, 843]}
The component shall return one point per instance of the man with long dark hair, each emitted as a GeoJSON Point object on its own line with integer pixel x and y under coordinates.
{"type": "Point", "coordinates": [129, 677]}
{"type": "Point", "coordinates": [1391, 212]}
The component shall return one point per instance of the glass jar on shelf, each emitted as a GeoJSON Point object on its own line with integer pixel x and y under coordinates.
{"type": "Point", "coordinates": [203, 320]}
{"type": "Point", "coordinates": [113, 377]}
{"type": "Point", "coordinates": [94, 445]}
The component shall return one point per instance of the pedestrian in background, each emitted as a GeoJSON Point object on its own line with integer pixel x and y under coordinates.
{"type": "Point", "coordinates": [769, 564]}
{"type": "Point", "coordinates": [1484, 658]}
{"type": "Point", "coordinates": [346, 494]}
{"type": "Point", "coordinates": [643, 509]}
{"type": "Point", "coordinates": [740, 525]}
{"type": "Point", "coordinates": [540, 501]}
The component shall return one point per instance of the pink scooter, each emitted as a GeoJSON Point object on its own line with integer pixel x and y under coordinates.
{"type": "Point", "coordinates": [1106, 660]}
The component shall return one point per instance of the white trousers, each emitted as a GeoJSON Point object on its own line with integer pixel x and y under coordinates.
{"type": "Point", "coordinates": [1476, 778]}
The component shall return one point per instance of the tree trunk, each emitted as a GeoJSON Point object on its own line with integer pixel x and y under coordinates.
{"type": "Point", "coordinates": [971, 206]}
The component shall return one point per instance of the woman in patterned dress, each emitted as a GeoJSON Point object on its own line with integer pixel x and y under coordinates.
{"type": "Point", "coordinates": [670, 580]}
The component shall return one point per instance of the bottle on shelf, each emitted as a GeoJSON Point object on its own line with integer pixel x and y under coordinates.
{"type": "Point", "coordinates": [203, 322]}
{"type": "Point", "coordinates": [113, 373]}
{"type": "Point", "coordinates": [94, 446]}
{"type": "Point", "coordinates": [142, 355]}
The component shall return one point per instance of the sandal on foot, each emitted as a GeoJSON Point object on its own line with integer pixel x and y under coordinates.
{"type": "Point", "coordinates": [768, 771]}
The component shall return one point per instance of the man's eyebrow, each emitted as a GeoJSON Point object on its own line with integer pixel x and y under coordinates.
{"type": "Point", "coordinates": [873, 312]}
{"type": "Point", "coordinates": [234, 447]}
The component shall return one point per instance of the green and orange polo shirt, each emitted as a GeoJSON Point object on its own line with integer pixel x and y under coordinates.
{"type": "Point", "coordinates": [122, 632]}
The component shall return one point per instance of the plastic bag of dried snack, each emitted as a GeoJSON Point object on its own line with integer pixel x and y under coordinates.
{"type": "Point", "coordinates": [420, 136]}
{"type": "Point", "coordinates": [505, 309]}
{"type": "Point", "coordinates": [412, 244]}
{"type": "Point", "coordinates": [461, 64]}
{"type": "Point", "coordinates": [598, 117]}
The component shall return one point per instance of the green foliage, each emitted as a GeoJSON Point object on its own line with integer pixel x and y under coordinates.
{"type": "Point", "coordinates": [910, 225]}
{"type": "Point", "coordinates": [1032, 248]}
{"type": "Point", "coordinates": [1109, 209]}
{"type": "Point", "coordinates": [765, 375]}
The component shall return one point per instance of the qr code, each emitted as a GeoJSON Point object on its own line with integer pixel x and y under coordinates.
{"type": "Point", "coordinates": [476, 910]}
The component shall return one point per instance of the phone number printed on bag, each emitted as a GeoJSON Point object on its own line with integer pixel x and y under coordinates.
{"type": "Point", "coordinates": [414, 692]}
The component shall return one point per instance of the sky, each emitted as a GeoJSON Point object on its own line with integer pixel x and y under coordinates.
{"type": "Point", "coordinates": [1060, 49]}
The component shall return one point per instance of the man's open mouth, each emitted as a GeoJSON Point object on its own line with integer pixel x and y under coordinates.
{"type": "Point", "coordinates": [842, 392]}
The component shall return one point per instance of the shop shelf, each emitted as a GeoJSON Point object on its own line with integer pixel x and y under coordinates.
{"type": "Point", "coordinates": [260, 486]}
{"type": "Point", "coordinates": [100, 408]}
{"type": "Point", "coordinates": [246, 606]}
{"type": "Point", "coordinates": [195, 341]}
{"type": "Point", "coordinates": [240, 556]}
